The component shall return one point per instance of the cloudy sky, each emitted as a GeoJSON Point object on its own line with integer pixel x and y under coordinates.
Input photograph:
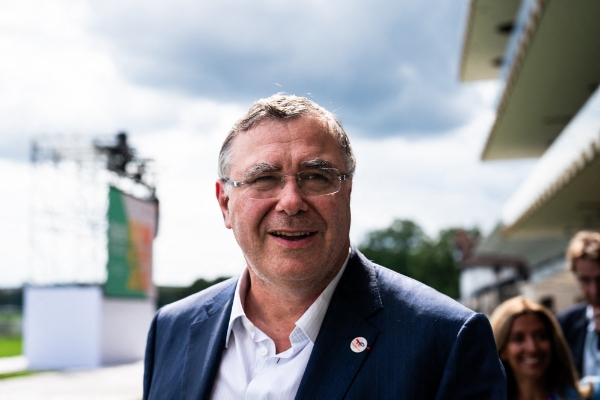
{"type": "Point", "coordinates": [177, 74]}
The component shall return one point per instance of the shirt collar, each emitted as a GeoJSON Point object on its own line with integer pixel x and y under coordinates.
{"type": "Point", "coordinates": [589, 314]}
{"type": "Point", "coordinates": [310, 322]}
{"type": "Point", "coordinates": [237, 310]}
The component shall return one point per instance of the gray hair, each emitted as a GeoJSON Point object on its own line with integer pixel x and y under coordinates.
{"type": "Point", "coordinates": [282, 106]}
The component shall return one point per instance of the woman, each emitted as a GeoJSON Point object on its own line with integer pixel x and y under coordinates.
{"type": "Point", "coordinates": [534, 353]}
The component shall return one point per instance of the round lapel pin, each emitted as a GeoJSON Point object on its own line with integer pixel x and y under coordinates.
{"type": "Point", "coordinates": [358, 344]}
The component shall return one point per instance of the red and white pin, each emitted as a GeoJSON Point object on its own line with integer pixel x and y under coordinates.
{"type": "Point", "coordinates": [359, 344]}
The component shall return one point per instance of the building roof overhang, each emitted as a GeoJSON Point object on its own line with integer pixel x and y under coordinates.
{"type": "Point", "coordinates": [571, 203]}
{"type": "Point", "coordinates": [538, 101]}
{"type": "Point", "coordinates": [488, 30]}
{"type": "Point", "coordinates": [532, 251]}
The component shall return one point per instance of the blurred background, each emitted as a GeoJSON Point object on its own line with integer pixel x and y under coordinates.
{"type": "Point", "coordinates": [475, 125]}
{"type": "Point", "coordinates": [176, 77]}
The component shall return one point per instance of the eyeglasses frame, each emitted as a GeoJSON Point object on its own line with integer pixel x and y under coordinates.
{"type": "Point", "coordinates": [341, 177]}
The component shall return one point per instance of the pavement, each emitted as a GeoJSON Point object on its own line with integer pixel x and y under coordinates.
{"type": "Point", "coordinates": [121, 382]}
{"type": "Point", "coordinates": [12, 364]}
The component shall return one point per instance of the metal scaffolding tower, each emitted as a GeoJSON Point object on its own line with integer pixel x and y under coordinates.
{"type": "Point", "coordinates": [69, 201]}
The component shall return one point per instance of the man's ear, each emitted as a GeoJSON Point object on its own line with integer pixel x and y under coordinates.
{"type": "Point", "coordinates": [223, 199]}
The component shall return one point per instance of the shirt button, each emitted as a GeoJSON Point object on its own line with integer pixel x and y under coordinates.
{"type": "Point", "coordinates": [263, 352]}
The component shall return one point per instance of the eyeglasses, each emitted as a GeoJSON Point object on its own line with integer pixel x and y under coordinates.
{"type": "Point", "coordinates": [312, 182]}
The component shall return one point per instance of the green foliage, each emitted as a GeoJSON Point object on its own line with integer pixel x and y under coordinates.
{"type": "Point", "coordinates": [405, 248]}
{"type": "Point", "coordinates": [11, 298]}
{"type": "Point", "coordinates": [17, 374]}
{"type": "Point", "coordinates": [11, 346]}
{"type": "Point", "coordinates": [10, 322]}
{"type": "Point", "coordinates": [167, 295]}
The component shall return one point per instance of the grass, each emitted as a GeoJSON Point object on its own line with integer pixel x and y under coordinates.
{"type": "Point", "coordinates": [11, 346]}
{"type": "Point", "coordinates": [16, 374]}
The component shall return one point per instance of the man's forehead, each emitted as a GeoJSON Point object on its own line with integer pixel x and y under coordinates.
{"type": "Point", "coordinates": [279, 127]}
{"type": "Point", "coordinates": [311, 117]}
{"type": "Point", "coordinates": [268, 146]}
{"type": "Point", "coordinates": [587, 267]}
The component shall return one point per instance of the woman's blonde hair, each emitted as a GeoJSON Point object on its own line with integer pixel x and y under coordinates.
{"type": "Point", "coordinates": [561, 373]}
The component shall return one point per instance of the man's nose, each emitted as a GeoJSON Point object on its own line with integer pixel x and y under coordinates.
{"type": "Point", "coordinates": [290, 199]}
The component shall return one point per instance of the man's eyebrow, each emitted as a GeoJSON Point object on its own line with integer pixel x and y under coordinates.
{"type": "Point", "coordinates": [317, 163]}
{"type": "Point", "coordinates": [260, 168]}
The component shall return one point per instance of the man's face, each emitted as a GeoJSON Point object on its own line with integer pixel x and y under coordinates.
{"type": "Point", "coordinates": [588, 275]}
{"type": "Point", "coordinates": [263, 227]}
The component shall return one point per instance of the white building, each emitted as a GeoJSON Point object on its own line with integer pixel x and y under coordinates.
{"type": "Point", "coordinates": [547, 56]}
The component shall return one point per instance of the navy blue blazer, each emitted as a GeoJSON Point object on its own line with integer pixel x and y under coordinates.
{"type": "Point", "coordinates": [574, 326]}
{"type": "Point", "coordinates": [422, 344]}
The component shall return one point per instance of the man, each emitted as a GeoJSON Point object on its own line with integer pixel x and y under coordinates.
{"type": "Point", "coordinates": [581, 323]}
{"type": "Point", "coordinates": [310, 317]}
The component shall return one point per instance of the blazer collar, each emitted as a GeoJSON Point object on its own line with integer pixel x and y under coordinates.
{"type": "Point", "coordinates": [333, 365]}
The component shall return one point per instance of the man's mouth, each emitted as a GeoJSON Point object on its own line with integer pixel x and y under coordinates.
{"type": "Point", "coordinates": [292, 236]}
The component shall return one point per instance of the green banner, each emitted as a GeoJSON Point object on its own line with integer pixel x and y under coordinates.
{"type": "Point", "coordinates": [131, 231]}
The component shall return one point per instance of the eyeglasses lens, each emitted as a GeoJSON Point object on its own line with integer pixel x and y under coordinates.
{"type": "Point", "coordinates": [313, 182]}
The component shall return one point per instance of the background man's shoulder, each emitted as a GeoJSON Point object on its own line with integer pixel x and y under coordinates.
{"type": "Point", "coordinates": [572, 314]}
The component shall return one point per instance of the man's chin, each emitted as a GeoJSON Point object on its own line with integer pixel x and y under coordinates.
{"type": "Point", "coordinates": [297, 269]}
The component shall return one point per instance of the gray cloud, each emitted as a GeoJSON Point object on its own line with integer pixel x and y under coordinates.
{"type": "Point", "coordinates": [387, 67]}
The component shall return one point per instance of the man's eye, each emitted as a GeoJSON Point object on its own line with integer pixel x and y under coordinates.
{"type": "Point", "coordinates": [263, 179]}
{"type": "Point", "coordinates": [316, 176]}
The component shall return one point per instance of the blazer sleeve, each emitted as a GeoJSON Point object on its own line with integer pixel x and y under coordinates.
{"type": "Point", "coordinates": [149, 358]}
{"type": "Point", "coordinates": [473, 370]}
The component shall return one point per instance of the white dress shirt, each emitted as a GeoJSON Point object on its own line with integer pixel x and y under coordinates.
{"type": "Point", "coordinates": [591, 354]}
{"type": "Point", "coordinates": [250, 367]}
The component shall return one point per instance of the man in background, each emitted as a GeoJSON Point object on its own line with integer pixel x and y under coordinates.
{"type": "Point", "coordinates": [310, 317]}
{"type": "Point", "coordinates": [581, 323]}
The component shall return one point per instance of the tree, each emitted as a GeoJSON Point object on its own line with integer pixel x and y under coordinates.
{"type": "Point", "coordinates": [405, 248]}
{"type": "Point", "coordinates": [168, 294]}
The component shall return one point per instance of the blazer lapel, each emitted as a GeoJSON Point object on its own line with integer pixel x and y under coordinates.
{"type": "Point", "coordinates": [205, 347]}
{"type": "Point", "coordinates": [580, 326]}
{"type": "Point", "coordinates": [333, 365]}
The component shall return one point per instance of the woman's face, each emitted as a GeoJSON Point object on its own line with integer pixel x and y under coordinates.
{"type": "Point", "coordinates": [528, 350]}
